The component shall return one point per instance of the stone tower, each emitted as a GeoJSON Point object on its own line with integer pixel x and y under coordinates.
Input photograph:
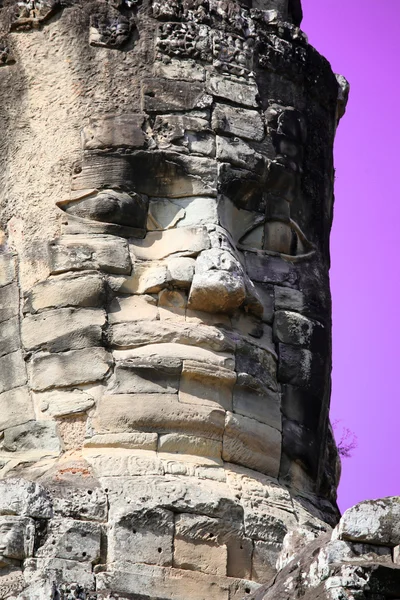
{"type": "Point", "coordinates": [165, 319]}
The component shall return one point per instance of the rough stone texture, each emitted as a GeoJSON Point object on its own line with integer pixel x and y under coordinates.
{"type": "Point", "coordinates": [165, 207]}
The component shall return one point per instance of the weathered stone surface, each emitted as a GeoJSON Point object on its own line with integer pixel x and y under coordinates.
{"type": "Point", "coordinates": [147, 376]}
{"type": "Point", "coordinates": [63, 329]}
{"type": "Point", "coordinates": [13, 372]}
{"type": "Point", "coordinates": [85, 290]}
{"type": "Point", "coordinates": [17, 538]}
{"type": "Point", "coordinates": [264, 560]}
{"type": "Point", "coordinates": [77, 253]}
{"type": "Point", "coordinates": [181, 212]}
{"type": "Point", "coordinates": [114, 131]}
{"type": "Point", "coordinates": [134, 441]}
{"type": "Point", "coordinates": [9, 302]}
{"type": "Point", "coordinates": [132, 335]}
{"type": "Point", "coordinates": [69, 368]}
{"type": "Point", "coordinates": [142, 536]}
{"type": "Point", "coordinates": [242, 122]}
{"type": "Point", "coordinates": [178, 584]}
{"type": "Point", "coordinates": [238, 153]}
{"type": "Point", "coordinates": [189, 444]}
{"type": "Point", "coordinates": [218, 284]}
{"type": "Point", "coordinates": [371, 521]}
{"type": "Point", "coordinates": [157, 245]}
{"type": "Point", "coordinates": [210, 386]}
{"type": "Point", "coordinates": [300, 367]}
{"type": "Point", "coordinates": [7, 269]}
{"type": "Point", "coordinates": [203, 557]}
{"type": "Point", "coordinates": [251, 444]}
{"type": "Point", "coordinates": [24, 498]}
{"type": "Point", "coordinates": [133, 308]}
{"type": "Point", "coordinates": [16, 408]}
{"type": "Point", "coordinates": [9, 336]}
{"type": "Point", "coordinates": [180, 69]}
{"type": "Point", "coordinates": [256, 401]}
{"type": "Point", "coordinates": [295, 329]}
{"type": "Point", "coordinates": [178, 351]}
{"type": "Point", "coordinates": [71, 540]}
{"type": "Point", "coordinates": [34, 435]}
{"type": "Point", "coordinates": [157, 412]}
{"type": "Point", "coordinates": [289, 299]}
{"type": "Point", "coordinates": [233, 90]}
{"type": "Point", "coordinates": [165, 96]}
{"type": "Point", "coordinates": [61, 403]}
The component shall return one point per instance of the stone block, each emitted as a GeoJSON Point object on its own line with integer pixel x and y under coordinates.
{"type": "Point", "coordinates": [236, 152]}
{"type": "Point", "coordinates": [41, 571]}
{"type": "Point", "coordinates": [148, 278]}
{"type": "Point", "coordinates": [9, 336]}
{"type": "Point", "coordinates": [7, 269]}
{"type": "Point", "coordinates": [137, 440]}
{"type": "Point", "coordinates": [256, 401]}
{"type": "Point", "coordinates": [160, 244]}
{"type": "Point", "coordinates": [123, 462]}
{"type": "Point", "coordinates": [270, 269]}
{"type": "Point", "coordinates": [176, 443]}
{"type": "Point", "coordinates": [252, 444]}
{"type": "Point", "coordinates": [77, 289]}
{"type": "Point", "coordinates": [9, 302]}
{"type": "Point", "coordinates": [181, 212]}
{"type": "Point", "coordinates": [240, 551]}
{"type": "Point", "coordinates": [174, 175]}
{"type": "Point", "coordinates": [235, 90]}
{"type": "Point", "coordinates": [254, 361]}
{"type": "Point", "coordinates": [200, 556]}
{"type": "Point", "coordinates": [289, 299]}
{"type": "Point", "coordinates": [31, 436]}
{"type": "Point", "coordinates": [293, 328]}
{"type": "Point", "coordinates": [264, 560]}
{"type": "Point", "coordinates": [182, 494]}
{"type": "Point", "coordinates": [16, 408]}
{"type": "Point", "coordinates": [79, 252]}
{"type": "Point", "coordinates": [184, 133]}
{"type": "Point", "coordinates": [302, 406]}
{"type": "Point", "coordinates": [218, 283]}
{"type": "Point", "coordinates": [162, 583]}
{"type": "Point", "coordinates": [13, 371]}
{"type": "Point", "coordinates": [69, 368]}
{"type": "Point", "coordinates": [114, 131]}
{"type": "Point", "coordinates": [371, 522]}
{"type": "Point", "coordinates": [132, 308]}
{"type": "Point", "coordinates": [63, 329]}
{"type": "Point", "coordinates": [73, 540]}
{"type": "Point", "coordinates": [201, 384]}
{"type": "Point", "coordinates": [181, 271]}
{"type": "Point", "coordinates": [179, 351]}
{"type": "Point", "coordinates": [157, 412]}
{"type": "Point", "coordinates": [142, 535]}
{"type": "Point", "coordinates": [147, 376]}
{"type": "Point", "coordinates": [187, 70]}
{"type": "Point", "coordinates": [24, 498]}
{"type": "Point", "coordinates": [170, 95]}
{"type": "Point", "coordinates": [301, 445]}
{"type": "Point", "coordinates": [17, 536]}
{"type": "Point", "coordinates": [77, 495]}
{"type": "Point", "coordinates": [61, 403]}
{"type": "Point", "coordinates": [302, 368]}
{"type": "Point", "coordinates": [134, 334]}
{"type": "Point", "coordinates": [244, 123]}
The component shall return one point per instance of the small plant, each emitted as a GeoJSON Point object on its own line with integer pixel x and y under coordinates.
{"type": "Point", "coordinates": [346, 440]}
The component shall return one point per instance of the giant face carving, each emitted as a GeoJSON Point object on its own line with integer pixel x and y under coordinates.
{"type": "Point", "coordinates": [180, 321]}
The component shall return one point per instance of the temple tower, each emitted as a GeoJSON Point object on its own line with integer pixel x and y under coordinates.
{"type": "Point", "coordinates": [165, 317]}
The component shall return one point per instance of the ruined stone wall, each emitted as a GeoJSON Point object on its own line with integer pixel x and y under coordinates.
{"type": "Point", "coordinates": [165, 347]}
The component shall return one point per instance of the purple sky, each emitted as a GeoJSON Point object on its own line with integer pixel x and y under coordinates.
{"type": "Point", "coordinates": [360, 38]}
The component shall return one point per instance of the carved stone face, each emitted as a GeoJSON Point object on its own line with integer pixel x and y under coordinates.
{"type": "Point", "coordinates": [174, 330]}
{"type": "Point", "coordinates": [16, 539]}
